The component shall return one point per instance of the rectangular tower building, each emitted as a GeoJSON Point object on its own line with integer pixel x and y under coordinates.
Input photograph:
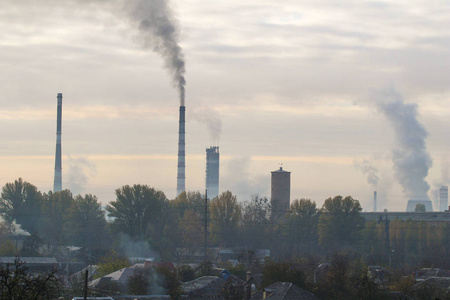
{"type": "Point", "coordinates": [212, 171]}
{"type": "Point", "coordinates": [280, 198]}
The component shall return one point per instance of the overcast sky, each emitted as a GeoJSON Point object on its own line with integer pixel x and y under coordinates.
{"type": "Point", "coordinates": [287, 82]}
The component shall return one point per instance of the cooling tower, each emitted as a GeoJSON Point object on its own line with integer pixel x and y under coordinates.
{"type": "Point", "coordinates": [212, 171]}
{"type": "Point", "coordinates": [280, 192]}
{"type": "Point", "coordinates": [57, 184]}
{"type": "Point", "coordinates": [411, 206]}
{"type": "Point", "coordinates": [443, 198]}
{"type": "Point", "coordinates": [181, 175]}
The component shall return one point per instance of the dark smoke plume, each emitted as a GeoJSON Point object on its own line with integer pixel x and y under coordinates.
{"type": "Point", "coordinates": [410, 157]}
{"type": "Point", "coordinates": [157, 31]}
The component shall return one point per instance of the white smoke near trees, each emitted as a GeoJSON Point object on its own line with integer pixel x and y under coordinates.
{"type": "Point", "coordinates": [80, 171]}
{"type": "Point", "coordinates": [410, 157]}
{"type": "Point", "coordinates": [241, 181]}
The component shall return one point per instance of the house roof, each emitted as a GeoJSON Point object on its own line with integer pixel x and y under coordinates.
{"type": "Point", "coordinates": [284, 291]}
{"type": "Point", "coordinates": [442, 283]}
{"type": "Point", "coordinates": [206, 285]}
{"type": "Point", "coordinates": [121, 276]}
{"type": "Point", "coordinates": [28, 260]}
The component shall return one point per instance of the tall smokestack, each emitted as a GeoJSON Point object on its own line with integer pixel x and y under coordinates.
{"type": "Point", "coordinates": [212, 171]}
{"type": "Point", "coordinates": [375, 201]}
{"type": "Point", "coordinates": [181, 175]}
{"type": "Point", "coordinates": [57, 184]}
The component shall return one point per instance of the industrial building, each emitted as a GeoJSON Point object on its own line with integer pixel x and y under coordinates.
{"type": "Point", "coordinates": [212, 171]}
{"type": "Point", "coordinates": [280, 192]}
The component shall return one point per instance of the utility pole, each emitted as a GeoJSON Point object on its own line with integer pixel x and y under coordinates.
{"type": "Point", "coordinates": [206, 220]}
{"type": "Point", "coordinates": [86, 284]}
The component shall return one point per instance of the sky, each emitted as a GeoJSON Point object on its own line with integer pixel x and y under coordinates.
{"type": "Point", "coordinates": [298, 83]}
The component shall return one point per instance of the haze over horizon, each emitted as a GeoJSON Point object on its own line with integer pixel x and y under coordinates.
{"type": "Point", "coordinates": [284, 84]}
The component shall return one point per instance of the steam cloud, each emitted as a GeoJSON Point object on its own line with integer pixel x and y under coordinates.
{"type": "Point", "coordinates": [80, 170]}
{"type": "Point", "coordinates": [368, 169]}
{"type": "Point", "coordinates": [212, 121]}
{"type": "Point", "coordinates": [242, 181]}
{"type": "Point", "coordinates": [157, 29]}
{"type": "Point", "coordinates": [410, 157]}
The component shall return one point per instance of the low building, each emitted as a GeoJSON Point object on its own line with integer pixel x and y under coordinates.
{"type": "Point", "coordinates": [284, 291]}
{"type": "Point", "coordinates": [32, 264]}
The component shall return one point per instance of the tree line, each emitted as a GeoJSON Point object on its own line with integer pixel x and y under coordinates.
{"type": "Point", "coordinates": [176, 228]}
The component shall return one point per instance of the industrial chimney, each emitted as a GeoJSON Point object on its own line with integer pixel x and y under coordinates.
{"type": "Point", "coordinates": [375, 201]}
{"type": "Point", "coordinates": [57, 184]}
{"type": "Point", "coordinates": [181, 175]}
{"type": "Point", "coordinates": [212, 171]}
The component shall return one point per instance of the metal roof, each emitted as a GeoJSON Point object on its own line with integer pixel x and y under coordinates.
{"type": "Point", "coordinates": [28, 260]}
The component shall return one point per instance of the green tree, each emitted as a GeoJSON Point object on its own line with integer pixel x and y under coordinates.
{"type": "Point", "coordinates": [169, 280]}
{"type": "Point", "coordinates": [136, 208]}
{"type": "Point", "coordinates": [187, 220]}
{"type": "Point", "coordinates": [111, 262]}
{"type": "Point", "coordinates": [225, 212]}
{"type": "Point", "coordinates": [21, 201]}
{"type": "Point", "coordinates": [7, 246]}
{"type": "Point", "coordinates": [420, 207]}
{"type": "Point", "coordinates": [282, 271]}
{"type": "Point", "coordinates": [340, 222]}
{"type": "Point", "coordinates": [255, 223]}
{"type": "Point", "coordinates": [55, 208]}
{"type": "Point", "coordinates": [85, 224]}
{"type": "Point", "coordinates": [301, 226]}
{"type": "Point", "coordinates": [139, 283]}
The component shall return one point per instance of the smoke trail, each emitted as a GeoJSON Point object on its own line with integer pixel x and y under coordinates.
{"type": "Point", "coordinates": [157, 29]}
{"type": "Point", "coordinates": [410, 157]}
{"type": "Point", "coordinates": [242, 181]}
{"type": "Point", "coordinates": [212, 121]}
{"type": "Point", "coordinates": [80, 170]}
{"type": "Point", "coordinates": [368, 169]}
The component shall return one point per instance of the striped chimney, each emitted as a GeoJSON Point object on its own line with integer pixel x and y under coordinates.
{"type": "Point", "coordinates": [57, 185]}
{"type": "Point", "coordinates": [181, 175]}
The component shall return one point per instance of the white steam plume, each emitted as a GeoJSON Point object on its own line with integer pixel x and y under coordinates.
{"type": "Point", "coordinates": [212, 121]}
{"type": "Point", "coordinates": [367, 168]}
{"type": "Point", "coordinates": [410, 157]}
{"type": "Point", "coordinates": [80, 170]}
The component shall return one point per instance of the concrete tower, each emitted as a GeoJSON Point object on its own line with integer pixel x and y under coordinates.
{"type": "Point", "coordinates": [181, 175]}
{"type": "Point", "coordinates": [57, 184]}
{"type": "Point", "coordinates": [280, 192]}
{"type": "Point", "coordinates": [212, 171]}
{"type": "Point", "coordinates": [443, 198]}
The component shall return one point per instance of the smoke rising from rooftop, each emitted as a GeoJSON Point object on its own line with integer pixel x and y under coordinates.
{"type": "Point", "coordinates": [157, 31]}
{"type": "Point", "coordinates": [409, 156]}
